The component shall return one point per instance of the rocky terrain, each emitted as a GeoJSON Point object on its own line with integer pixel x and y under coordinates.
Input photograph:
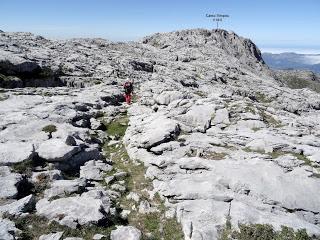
{"type": "Point", "coordinates": [298, 79]}
{"type": "Point", "coordinates": [214, 146]}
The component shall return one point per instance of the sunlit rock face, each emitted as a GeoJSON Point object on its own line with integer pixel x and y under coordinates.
{"type": "Point", "coordinates": [221, 137]}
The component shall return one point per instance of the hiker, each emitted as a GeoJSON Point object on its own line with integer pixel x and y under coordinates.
{"type": "Point", "coordinates": [128, 89]}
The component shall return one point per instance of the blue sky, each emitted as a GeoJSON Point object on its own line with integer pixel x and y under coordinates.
{"type": "Point", "coordinates": [271, 24]}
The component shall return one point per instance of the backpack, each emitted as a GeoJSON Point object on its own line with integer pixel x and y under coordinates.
{"type": "Point", "coordinates": [128, 88]}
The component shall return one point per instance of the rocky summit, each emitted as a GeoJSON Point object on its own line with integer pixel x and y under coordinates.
{"type": "Point", "coordinates": [214, 145]}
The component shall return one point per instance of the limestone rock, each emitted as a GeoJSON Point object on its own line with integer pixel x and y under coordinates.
{"type": "Point", "coordinates": [19, 207]}
{"type": "Point", "coordinates": [126, 233]}
{"type": "Point", "coordinates": [8, 230]}
{"type": "Point", "coordinates": [88, 208]}
{"type": "Point", "coordinates": [94, 170]}
{"type": "Point", "coordinates": [56, 150]}
{"type": "Point", "coordinates": [15, 152]}
{"type": "Point", "coordinates": [9, 182]}
{"type": "Point", "coordinates": [52, 236]}
{"type": "Point", "coordinates": [64, 187]}
{"type": "Point", "coordinates": [167, 97]}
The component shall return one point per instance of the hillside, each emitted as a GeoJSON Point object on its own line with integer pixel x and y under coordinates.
{"type": "Point", "coordinates": [293, 61]}
{"type": "Point", "coordinates": [212, 145]}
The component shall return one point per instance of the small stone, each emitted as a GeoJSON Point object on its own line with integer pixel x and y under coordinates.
{"type": "Point", "coordinates": [124, 214]}
{"type": "Point", "coordinates": [145, 208]}
{"type": "Point", "coordinates": [71, 141]}
{"type": "Point", "coordinates": [118, 187]}
{"type": "Point", "coordinates": [99, 236]}
{"type": "Point", "coordinates": [133, 196]}
{"type": "Point", "coordinates": [109, 179]}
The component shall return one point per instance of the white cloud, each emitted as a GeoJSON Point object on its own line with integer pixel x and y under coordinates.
{"type": "Point", "coordinates": [295, 50]}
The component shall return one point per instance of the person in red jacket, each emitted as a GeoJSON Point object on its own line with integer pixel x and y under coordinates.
{"type": "Point", "coordinates": [128, 89]}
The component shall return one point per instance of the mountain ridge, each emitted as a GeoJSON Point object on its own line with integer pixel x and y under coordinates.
{"type": "Point", "coordinates": [212, 140]}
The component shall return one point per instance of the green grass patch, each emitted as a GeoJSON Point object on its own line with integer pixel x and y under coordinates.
{"type": "Point", "coordinates": [269, 119]}
{"type": "Point", "coordinates": [117, 127]}
{"type": "Point", "coordinates": [295, 82]}
{"type": "Point", "coordinates": [49, 129]}
{"type": "Point", "coordinates": [33, 226]}
{"type": "Point", "coordinates": [262, 232]}
{"type": "Point", "coordinates": [262, 98]}
{"type": "Point", "coordinates": [276, 154]}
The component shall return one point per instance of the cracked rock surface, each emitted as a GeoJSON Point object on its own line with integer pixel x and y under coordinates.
{"type": "Point", "coordinates": [221, 139]}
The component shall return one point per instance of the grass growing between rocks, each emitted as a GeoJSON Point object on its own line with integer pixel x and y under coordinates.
{"type": "Point", "coordinates": [154, 225]}
{"type": "Point", "coordinates": [261, 232]}
{"type": "Point", "coordinates": [262, 98]}
{"type": "Point", "coordinates": [33, 226]}
{"type": "Point", "coordinates": [278, 153]}
{"type": "Point", "coordinates": [269, 119]}
{"type": "Point", "coordinates": [295, 82]}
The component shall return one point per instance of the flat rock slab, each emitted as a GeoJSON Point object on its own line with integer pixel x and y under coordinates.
{"type": "Point", "coordinates": [54, 150]}
{"type": "Point", "coordinates": [199, 117]}
{"type": "Point", "coordinates": [9, 182]}
{"type": "Point", "coordinates": [89, 208]}
{"type": "Point", "coordinates": [14, 152]}
{"type": "Point", "coordinates": [64, 187]}
{"type": "Point", "coordinates": [167, 97]}
{"type": "Point", "coordinates": [94, 170]}
{"type": "Point", "coordinates": [8, 230]}
{"type": "Point", "coordinates": [157, 132]}
{"type": "Point", "coordinates": [126, 233]}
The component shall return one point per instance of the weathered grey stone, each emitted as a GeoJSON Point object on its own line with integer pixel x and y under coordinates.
{"type": "Point", "coordinates": [94, 170]}
{"type": "Point", "coordinates": [57, 150]}
{"type": "Point", "coordinates": [65, 187]}
{"type": "Point", "coordinates": [52, 236]}
{"type": "Point", "coordinates": [15, 152]}
{"type": "Point", "coordinates": [8, 230]}
{"type": "Point", "coordinates": [199, 117]}
{"type": "Point", "coordinates": [19, 207]}
{"type": "Point", "coordinates": [48, 175]}
{"type": "Point", "coordinates": [98, 236]}
{"type": "Point", "coordinates": [167, 97]}
{"type": "Point", "coordinates": [88, 208]}
{"type": "Point", "coordinates": [9, 182]}
{"type": "Point", "coordinates": [126, 233]}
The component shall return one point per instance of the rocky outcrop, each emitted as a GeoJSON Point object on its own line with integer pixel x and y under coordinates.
{"type": "Point", "coordinates": [89, 208]}
{"type": "Point", "coordinates": [8, 230]}
{"type": "Point", "coordinates": [9, 182]}
{"type": "Point", "coordinates": [221, 139]}
{"type": "Point", "coordinates": [125, 233]}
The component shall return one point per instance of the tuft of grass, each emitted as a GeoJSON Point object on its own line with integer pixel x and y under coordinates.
{"type": "Point", "coordinates": [262, 98]}
{"type": "Point", "coordinates": [49, 129]}
{"type": "Point", "coordinates": [117, 127]}
{"type": "Point", "coordinates": [215, 155]}
{"type": "Point", "coordinates": [33, 226]}
{"type": "Point", "coordinates": [262, 232]}
{"type": "Point", "coordinates": [269, 119]}
{"type": "Point", "coordinates": [255, 129]}
{"type": "Point", "coordinates": [276, 154]}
